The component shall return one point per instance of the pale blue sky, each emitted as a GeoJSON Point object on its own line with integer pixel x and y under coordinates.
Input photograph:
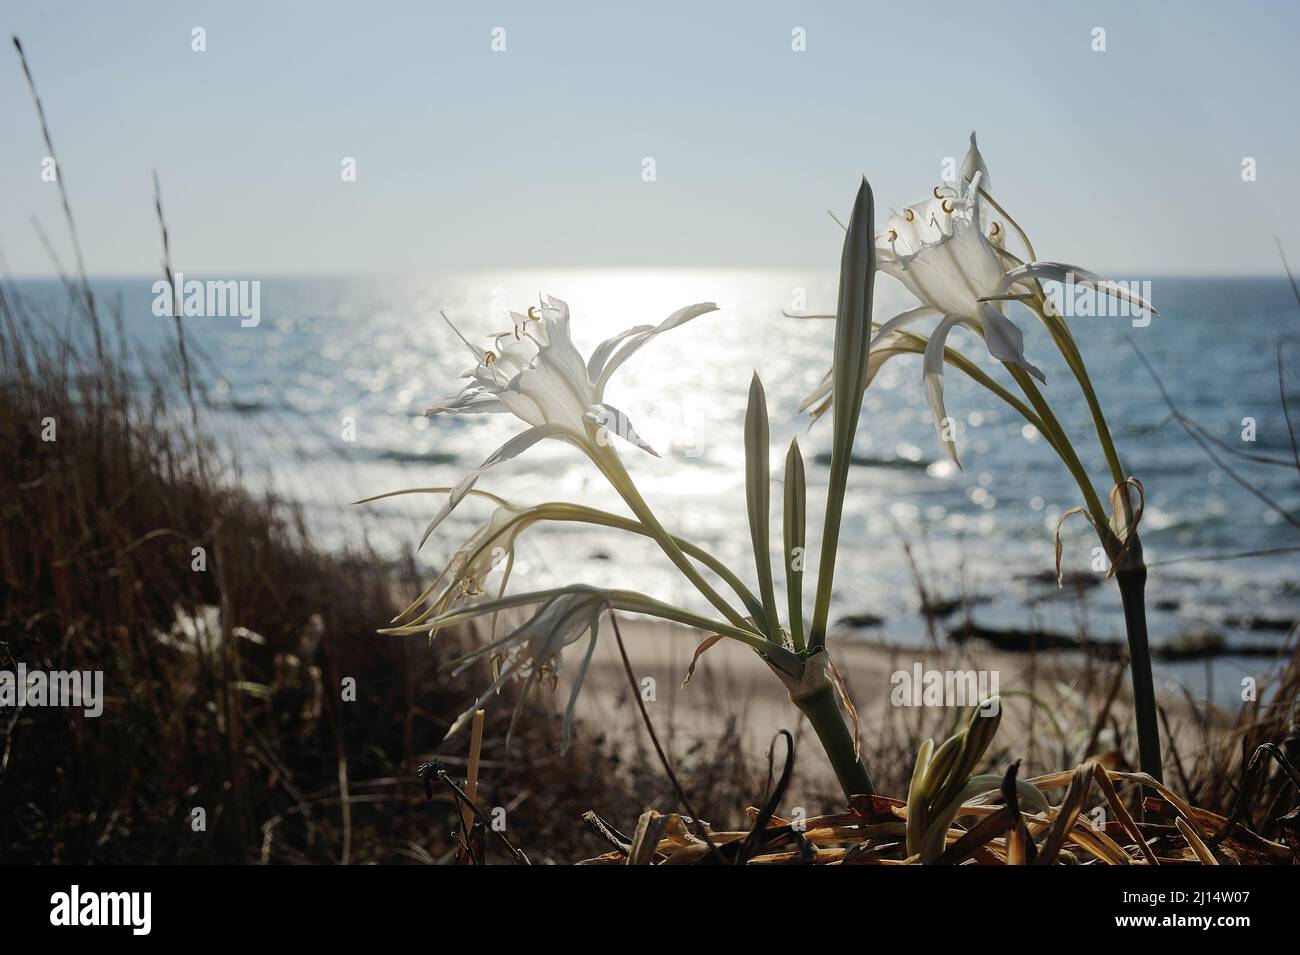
{"type": "Point", "coordinates": [1127, 160]}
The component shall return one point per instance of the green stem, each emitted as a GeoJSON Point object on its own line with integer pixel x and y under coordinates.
{"type": "Point", "coordinates": [1132, 579]}
{"type": "Point", "coordinates": [828, 723]}
{"type": "Point", "coordinates": [611, 465]}
{"type": "Point", "coordinates": [579, 513]}
{"type": "Point", "coordinates": [1061, 442]}
{"type": "Point", "coordinates": [1074, 358]}
{"type": "Point", "coordinates": [1065, 343]}
{"type": "Point", "coordinates": [1060, 333]}
{"type": "Point", "coordinates": [1131, 575]}
{"type": "Point", "coordinates": [590, 515]}
{"type": "Point", "coordinates": [634, 602]}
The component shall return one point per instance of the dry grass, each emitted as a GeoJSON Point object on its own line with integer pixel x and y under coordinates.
{"type": "Point", "coordinates": [1239, 807]}
{"type": "Point", "coordinates": [873, 832]}
{"type": "Point", "coordinates": [97, 535]}
{"type": "Point", "coordinates": [1239, 787]}
{"type": "Point", "coordinates": [1232, 797]}
{"type": "Point", "coordinates": [97, 531]}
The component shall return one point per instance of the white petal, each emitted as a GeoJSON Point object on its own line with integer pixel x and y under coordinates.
{"type": "Point", "coordinates": [512, 448]}
{"type": "Point", "coordinates": [902, 320]}
{"type": "Point", "coordinates": [1005, 341]}
{"type": "Point", "coordinates": [820, 392]}
{"type": "Point", "coordinates": [463, 719]}
{"type": "Point", "coordinates": [473, 400]}
{"type": "Point", "coordinates": [1060, 272]}
{"type": "Point", "coordinates": [882, 350]}
{"type": "Point", "coordinates": [974, 254]}
{"type": "Point", "coordinates": [577, 684]}
{"type": "Point", "coordinates": [630, 347]}
{"type": "Point", "coordinates": [933, 365]}
{"type": "Point", "coordinates": [890, 348]}
{"type": "Point", "coordinates": [455, 497]}
{"type": "Point", "coordinates": [557, 396]}
{"type": "Point", "coordinates": [972, 164]}
{"type": "Point", "coordinates": [559, 350]}
{"type": "Point", "coordinates": [522, 442]}
{"type": "Point", "coordinates": [596, 364]}
{"type": "Point", "coordinates": [609, 419]}
{"type": "Point", "coordinates": [522, 407]}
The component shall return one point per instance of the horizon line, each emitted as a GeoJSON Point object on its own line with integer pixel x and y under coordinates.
{"type": "Point", "coordinates": [472, 270]}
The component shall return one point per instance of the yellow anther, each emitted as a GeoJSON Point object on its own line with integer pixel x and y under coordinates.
{"type": "Point", "coordinates": [944, 205]}
{"type": "Point", "coordinates": [910, 214]}
{"type": "Point", "coordinates": [536, 318]}
{"type": "Point", "coordinates": [489, 357]}
{"type": "Point", "coordinates": [893, 235]}
{"type": "Point", "coordinates": [995, 231]}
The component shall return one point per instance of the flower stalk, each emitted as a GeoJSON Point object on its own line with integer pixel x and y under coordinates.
{"type": "Point", "coordinates": [952, 256]}
{"type": "Point", "coordinates": [943, 251]}
{"type": "Point", "coordinates": [534, 372]}
{"type": "Point", "coordinates": [1132, 578]}
{"type": "Point", "coordinates": [822, 709]}
{"type": "Point", "coordinates": [611, 465]}
{"type": "Point", "coordinates": [1131, 571]}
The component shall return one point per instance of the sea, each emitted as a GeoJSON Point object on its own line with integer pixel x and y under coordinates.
{"type": "Point", "coordinates": [322, 401]}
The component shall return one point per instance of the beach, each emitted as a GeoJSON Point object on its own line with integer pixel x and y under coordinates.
{"type": "Point", "coordinates": [732, 690]}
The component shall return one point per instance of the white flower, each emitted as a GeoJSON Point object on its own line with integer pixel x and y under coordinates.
{"type": "Point", "coordinates": [947, 254]}
{"type": "Point", "coordinates": [532, 651]}
{"type": "Point", "coordinates": [462, 579]}
{"type": "Point", "coordinates": [938, 249]}
{"type": "Point", "coordinates": [534, 372]}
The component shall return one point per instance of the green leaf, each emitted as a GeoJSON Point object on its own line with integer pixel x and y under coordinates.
{"type": "Point", "coordinates": [796, 494]}
{"type": "Point", "coordinates": [848, 379]}
{"type": "Point", "coordinates": [618, 599]}
{"type": "Point", "coordinates": [916, 801]}
{"type": "Point", "coordinates": [758, 480]}
{"type": "Point", "coordinates": [941, 764]}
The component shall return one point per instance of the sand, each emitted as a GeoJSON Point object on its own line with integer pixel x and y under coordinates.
{"type": "Point", "coordinates": [732, 683]}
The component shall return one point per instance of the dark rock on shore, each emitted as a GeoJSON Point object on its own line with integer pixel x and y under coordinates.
{"type": "Point", "coordinates": [940, 607]}
{"type": "Point", "coordinates": [1256, 622]}
{"type": "Point", "coordinates": [1194, 645]}
{"type": "Point", "coordinates": [860, 621]}
{"type": "Point", "coordinates": [1070, 580]}
{"type": "Point", "coordinates": [1023, 641]}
